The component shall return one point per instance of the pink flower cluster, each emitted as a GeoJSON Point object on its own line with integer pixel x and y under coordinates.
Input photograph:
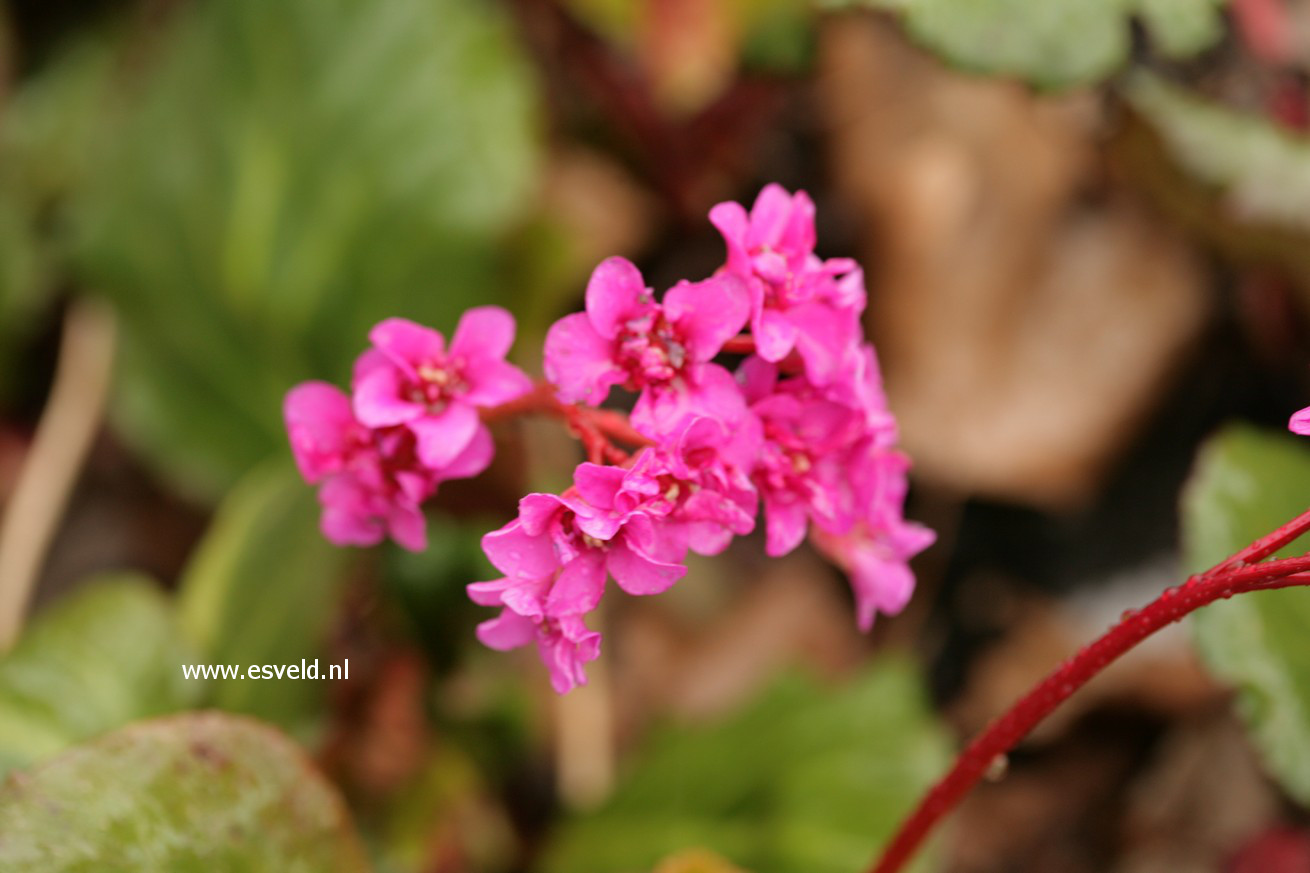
{"type": "Point", "coordinates": [410, 423]}
{"type": "Point", "coordinates": [800, 427]}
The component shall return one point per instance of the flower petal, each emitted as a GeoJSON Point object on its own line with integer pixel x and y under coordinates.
{"type": "Point", "coordinates": [407, 344]}
{"type": "Point", "coordinates": [616, 294]}
{"type": "Point", "coordinates": [598, 483]}
{"type": "Point", "coordinates": [509, 630]}
{"type": "Point", "coordinates": [775, 335]}
{"type": "Point", "coordinates": [784, 526]}
{"type": "Point", "coordinates": [493, 382]}
{"type": "Point", "coordinates": [441, 438]}
{"type": "Point", "coordinates": [377, 398]}
{"type": "Point", "coordinates": [319, 424]}
{"type": "Point", "coordinates": [579, 586]}
{"type": "Point", "coordinates": [579, 361]}
{"type": "Point", "coordinates": [638, 574]}
{"type": "Point", "coordinates": [483, 332]}
{"type": "Point", "coordinates": [475, 458]}
{"type": "Point", "coordinates": [407, 527]}
{"type": "Point", "coordinates": [519, 554]}
{"type": "Point", "coordinates": [733, 222]}
{"type": "Point", "coordinates": [708, 313]}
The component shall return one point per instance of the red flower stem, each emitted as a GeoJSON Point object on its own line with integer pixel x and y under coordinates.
{"type": "Point", "coordinates": [594, 427]}
{"type": "Point", "coordinates": [1233, 576]}
{"type": "Point", "coordinates": [1266, 545]}
{"type": "Point", "coordinates": [742, 344]}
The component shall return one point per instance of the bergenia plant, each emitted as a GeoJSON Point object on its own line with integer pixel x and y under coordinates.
{"type": "Point", "coordinates": [755, 395]}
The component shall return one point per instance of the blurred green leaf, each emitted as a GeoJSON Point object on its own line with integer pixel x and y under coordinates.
{"type": "Point", "coordinates": [429, 586]}
{"type": "Point", "coordinates": [293, 173]}
{"type": "Point", "coordinates": [696, 861]}
{"type": "Point", "coordinates": [262, 588]}
{"type": "Point", "coordinates": [45, 132]}
{"type": "Point", "coordinates": [1261, 172]}
{"type": "Point", "coordinates": [188, 794]}
{"type": "Point", "coordinates": [106, 655]}
{"type": "Point", "coordinates": [807, 780]}
{"type": "Point", "coordinates": [1246, 483]}
{"type": "Point", "coordinates": [1054, 43]}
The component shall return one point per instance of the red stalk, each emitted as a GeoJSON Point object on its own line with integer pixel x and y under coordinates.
{"type": "Point", "coordinates": [1236, 575]}
{"type": "Point", "coordinates": [594, 427]}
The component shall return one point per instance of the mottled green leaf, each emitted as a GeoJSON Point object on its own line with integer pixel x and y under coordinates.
{"type": "Point", "coordinates": [1261, 171]}
{"type": "Point", "coordinates": [193, 793]}
{"type": "Point", "coordinates": [1053, 43]}
{"type": "Point", "coordinates": [262, 588]}
{"type": "Point", "coordinates": [106, 655]}
{"type": "Point", "coordinates": [288, 174]}
{"type": "Point", "coordinates": [1247, 483]}
{"type": "Point", "coordinates": [809, 779]}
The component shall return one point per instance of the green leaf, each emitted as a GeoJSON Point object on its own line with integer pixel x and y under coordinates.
{"type": "Point", "coordinates": [1260, 172]}
{"type": "Point", "coordinates": [1247, 483]}
{"type": "Point", "coordinates": [195, 792]}
{"type": "Point", "coordinates": [106, 655]}
{"type": "Point", "coordinates": [806, 780]}
{"type": "Point", "coordinates": [1054, 43]}
{"type": "Point", "coordinates": [290, 174]}
{"type": "Point", "coordinates": [262, 588]}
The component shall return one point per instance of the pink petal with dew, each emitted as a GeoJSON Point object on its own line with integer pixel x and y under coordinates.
{"type": "Point", "coordinates": [579, 361]}
{"type": "Point", "coordinates": [489, 593]}
{"type": "Point", "coordinates": [638, 574]}
{"type": "Point", "coordinates": [407, 344]}
{"type": "Point", "coordinates": [483, 332]}
{"type": "Point", "coordinates": [598, 484]}
{"type": "Point", "coordinates": [616, 294]}
{"type": "Point", "coordinates": [441, 438]}
{"type": "Point", "coordinates": [579, 586]}
{"type": "Point", "coordinates": [538, 511]}
{"type": "Point", "coordinates": [518, 554]}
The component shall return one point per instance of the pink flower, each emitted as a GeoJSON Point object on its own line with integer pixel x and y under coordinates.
{"type": "Point", "coordinates": [662, 350]}
{"type": "Point", "coordinates": [1300, 422]}
{"type": "Point", "coordinates": [371, 481]}
{"type": "Point", "coordinates": [565, 643]}
{"type": "Point", "coordinates": [696, 483]}
{"type": "Point", "coordinates": [584, 543]}
{"type": "Point", "coordinates": [875, 552]}
{"type": "Point", "coordinates": [556, 556]}
{"type": "Point", "coordinates": [876, 559]}
{"type": "Point", "coordinates": [409, 378]}
{"type": "Point", "coordinates": [367, 490]}
{"type": "Point", "coordinates": [797, 300]}
{"type": "Point", "coordinates": [810, 457]}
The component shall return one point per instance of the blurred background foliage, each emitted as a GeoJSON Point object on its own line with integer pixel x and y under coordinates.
{"type": "Point", "coordinates": [1085, 229]}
